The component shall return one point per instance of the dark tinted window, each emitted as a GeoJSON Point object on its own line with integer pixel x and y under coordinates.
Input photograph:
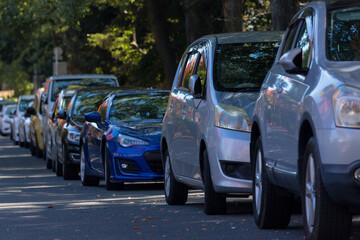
{"type": "Point", "coordinates": [87, 102]}
{"type": "Point", "coordinates": [242, 65]}
{"type": "Point", "coordinates": [24, 103]}
{"type": "Point", "coordinates": [63, 84]}
{"type": "Point", "coordinates": [138, 107]}
{"type": "Point", "coordinates": [290, 37]}
{"type": "Point", "coordinates": [343, 35]}
{"type": "Point", "coordinates": [202, 68]}
{"type": "Point", "coordinates": [305, 41]}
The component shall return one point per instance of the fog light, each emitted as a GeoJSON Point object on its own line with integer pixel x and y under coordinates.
{"type": "Point", "coordinates": [124, 165]}
{"type": "Point", "coordinates": [357, 174]}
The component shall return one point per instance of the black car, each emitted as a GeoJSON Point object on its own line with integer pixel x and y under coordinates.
{"type": "Point", "coordinates": [70, 124]}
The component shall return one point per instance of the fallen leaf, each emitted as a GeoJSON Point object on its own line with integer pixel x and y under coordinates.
{"type": "Point", "coordinates": [136, 228]}
{"type": "Point", "coordinates": [259, 234]}
{"type": "Point", "coordinates": [50, 207]}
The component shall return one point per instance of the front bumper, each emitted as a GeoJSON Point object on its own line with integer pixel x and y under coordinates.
{"type": "Point", "coordinates": [73, 152]}
{"type": "Point", "coordinates": [340, 157]}
{"type": "Point", "coordinates": [138, 166]}
{"type": "Point", "coordinates": [229, 148]}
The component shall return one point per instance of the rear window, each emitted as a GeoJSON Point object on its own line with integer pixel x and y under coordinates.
{"type": "Point", "coordinates": [343, 36]}
{"type": "Point", "coordinates": [242, 66]}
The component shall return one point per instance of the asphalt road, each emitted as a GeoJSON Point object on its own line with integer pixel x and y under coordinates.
{"type": "Point", "coordinates": [35, 204]}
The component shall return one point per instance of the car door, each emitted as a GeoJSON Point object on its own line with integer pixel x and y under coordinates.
{"type": "Point", "coordinates": [291, 89]}
{"type": "Point", "coordinates": [95, 133]}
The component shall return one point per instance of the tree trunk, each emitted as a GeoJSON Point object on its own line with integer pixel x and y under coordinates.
{"type": "Point", "coordinates": [162, 41]}
{"type": "Point", "coordinates": [198, 21]}
{"type": "Point", "coordinates": [282, 11]}
{"type": "Point", "coordinates": [233, 15]}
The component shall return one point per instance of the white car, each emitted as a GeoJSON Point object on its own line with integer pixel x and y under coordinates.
{"type": "Point", "coordinates": [22, 104]}
{"type": "Point", "coordinates": [24, 129]}
{"type": "Point", "coordinates": [6, 115]}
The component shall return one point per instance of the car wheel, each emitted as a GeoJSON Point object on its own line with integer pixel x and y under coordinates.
{"type": "Point", "coordinates": [58, 165]}
{"type": "Point", "coordinates": [323, 218]}
{"type": "Point", "coordinates": [271, 210]}
{"type": "Point", "coordinates": [176, 193]}
{"type": "Point", "coordinates": [215, 203]}
{"type": "Point", "coordinates": [32, 148]}
{"type": "Point", "coordinates": [38, 152]}
{"type": "Point", "coordinates": [107, 172]}
{"type": "Point", "coordinates": [48, 162]}
{"type": "Point", "coordinates": [86, 180]}
{"type": "Point", "coordinates": [69, 172]}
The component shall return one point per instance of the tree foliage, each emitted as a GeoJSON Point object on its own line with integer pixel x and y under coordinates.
{"type": "Point", "coordinates": [119, 37]}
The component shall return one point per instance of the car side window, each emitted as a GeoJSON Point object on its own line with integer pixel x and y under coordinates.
{"type": "Point", "coordinates": [202, 68]}
{"type": "Point", "coordinates": [291, 34]}
{"type": "Point", "coordinates": [189, 69]}
{"type": "Point", "coordinates": [103, 109]}
{"type": "Point", "coordinates": [304, 41]}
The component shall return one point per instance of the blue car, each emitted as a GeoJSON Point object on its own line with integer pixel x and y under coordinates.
{"type": "Point", "coordinates": [121, 141]}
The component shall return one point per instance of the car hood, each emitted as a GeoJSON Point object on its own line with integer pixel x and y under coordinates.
{"type": "Point", "coordinates": [244, 100]}
{"type": "Point", "coordinates": [347, 72]}
{"type": "Point", "coordinates": [148, 129]}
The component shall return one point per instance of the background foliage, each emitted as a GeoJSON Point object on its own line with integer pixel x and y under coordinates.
{"type": "Point", "coordinates": [141, 42]}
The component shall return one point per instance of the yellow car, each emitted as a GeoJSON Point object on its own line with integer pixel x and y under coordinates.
{"type": "Point", "coordinates": [36, 136]}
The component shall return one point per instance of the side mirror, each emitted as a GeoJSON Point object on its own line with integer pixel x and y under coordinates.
{"type": "Point", "coordinates": [61, 114]}
{"type": "Point", "coordinates": [291, 62]}
{"type": "Point", "coordinates": [93, 117]}
{"type": "Point", "coordinates": [30, 111]}
{"type": "Point", "coordinates": [195, 86]}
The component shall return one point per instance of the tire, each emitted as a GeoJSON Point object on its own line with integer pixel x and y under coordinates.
{"type": "Point", "coordinates": [215, 203]}
{"type": "Point", "coordinates": [38, 152]}
{"type": "Point", "coordinates": [32, 148]}
{"type": "Point", "coordinates": [176, 193]}
{"type": "Point", "coordinates": [107, 172]}
{"type": "Point", "coordinates": [48, 162]}
{"type": "Point", "coordinates": [58, 165]}
{"type": "Point", "coordinates": [69, 172]}
{"type": "Point", "coordinates": [271, 210]}
{"type": "Point", "coordinates": [325, 219]}
{"type": "Point", "coordinates": [86, 180]}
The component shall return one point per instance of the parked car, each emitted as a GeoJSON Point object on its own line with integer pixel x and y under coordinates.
{"type": "Point", "coordinates": [24, 129]}
{"type": "Point", "coordinates": [55, 84]}
{"type": "Point", "coordinates": [206, 132]}
{"type": "Point", "coordinates": [61, 102]}
{"type": "Point", "coordinates": [36, 139]}
{"type": "Point", "coordinates": [121, 140]}
{"type": "Point", "coordinates": [70, 125]}
{"type": "Point", "coordinates": [305, 135]}
{"type": "Point", "coordinates": [22, 104]}
{"type": "Point", "coordinates": [6, 115]}
{"type": "Point", "coordinates": [3, 103]}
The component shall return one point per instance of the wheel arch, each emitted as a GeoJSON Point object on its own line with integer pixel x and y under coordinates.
{"type": "Point", "coordinates": [306, 131]}
{"type": "Point", "coordinates": [163, 148]}
{"type": "Point", "coordinates": [201, 158]}
{"type": "Point", "coordinates": [255, 134]}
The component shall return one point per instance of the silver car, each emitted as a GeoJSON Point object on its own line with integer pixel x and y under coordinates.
{"type": "Point", "coordinates": [206, 128]}
{"type": "Point", "coordinates": [23, 102]}
{"type": "Point", "coordinates": [305, 135]}
{"type": "Point", "coordinates": [6, 115]}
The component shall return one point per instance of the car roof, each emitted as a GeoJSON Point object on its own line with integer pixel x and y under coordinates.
{"type": "Point", "coordinates": [30, 96]}
{"type": "Point", "coordinates": [247, 37]}
{"type": "Point", "coordinates": [81, 76]}
{"type": "Point", "coordinates": [139, 91]}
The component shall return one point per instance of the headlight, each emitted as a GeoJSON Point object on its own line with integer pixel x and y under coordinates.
{"type": "Point", "coordinates": [74, 136]}
{"type": "Point", "coordinates": [346, 104]}
{"type": "Point", "coordinates": [232, 118]}
{"type": "Point", "coordinates": [127, 141]}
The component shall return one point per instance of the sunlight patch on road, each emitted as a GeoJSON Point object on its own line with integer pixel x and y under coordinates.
{"type": "Point", "coordinates": [15, 156]}
{"type": "Point", "coordinates": [30, 176]}
{"type": "Point", "coordinates": [9, 146]}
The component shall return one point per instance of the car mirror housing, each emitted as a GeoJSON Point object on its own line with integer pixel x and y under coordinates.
{"type": "Point", "coordinates": [291, 62]}
{"type": "Point", "coordinates": [61, 114]}
{"type": "Point", "coordinates": [195, 85]}
{"type": "Point", "coordinates": [93, 117]}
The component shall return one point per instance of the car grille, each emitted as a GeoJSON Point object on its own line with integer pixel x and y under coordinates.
{"type": "Point", "coordinates": [153, 159]}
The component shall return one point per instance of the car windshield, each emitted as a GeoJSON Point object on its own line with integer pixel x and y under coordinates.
{"type": "Point", "coordinates": [10, 110]}
{"type": "Point", "coordinates": [138, 107]}
{"type": "Point", "coordinates": [24, 103]}
{"type": "Point", "coordinates": [65, 102]}
{"type": "Point", "coordinates": [64, 84]}
{"type": "Point", "coordinates": [242, 66]}
{"type": "Point", "coordinates": [344, 34]}
{"type": "Point", "coordinates": [87, 102]}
